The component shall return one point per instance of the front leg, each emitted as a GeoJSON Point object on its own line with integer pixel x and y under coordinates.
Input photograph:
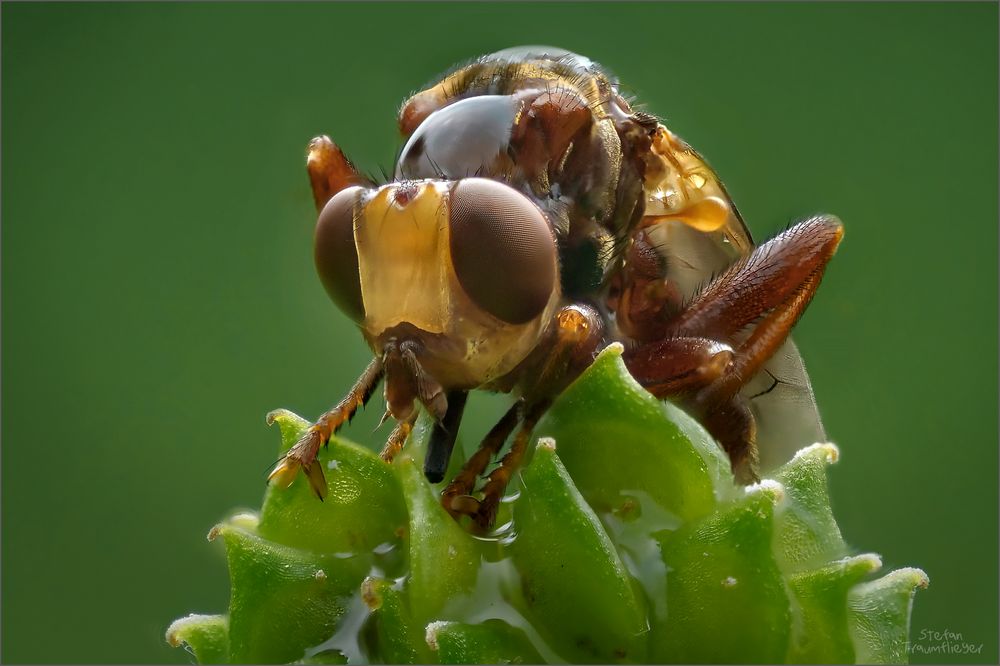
{"type": "Point", "coordinates": [303, 454]}
{"type": "Point", "coordinates": [397, 438]}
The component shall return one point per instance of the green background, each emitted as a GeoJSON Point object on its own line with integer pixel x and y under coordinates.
{"type": "Point", "coordinates": [159, 295]}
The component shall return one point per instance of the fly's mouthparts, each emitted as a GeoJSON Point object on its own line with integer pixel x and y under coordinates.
{"type": "Point", "coordinates": [406, 381]}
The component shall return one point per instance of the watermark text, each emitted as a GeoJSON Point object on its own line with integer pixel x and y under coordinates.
{"type": "Point", "coordinates": [942, 642]}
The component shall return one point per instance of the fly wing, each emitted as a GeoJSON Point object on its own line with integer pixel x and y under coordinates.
{"type": "Point", "coordinates": [694, 257]}
{"type": "Point", "coordinates": [781, 399]}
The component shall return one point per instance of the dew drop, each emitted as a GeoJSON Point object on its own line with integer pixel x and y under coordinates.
{"type": "Point", "coordinates": [512, 497]}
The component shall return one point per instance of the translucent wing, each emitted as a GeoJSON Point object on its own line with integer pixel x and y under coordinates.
{"type": "Point", "coordinates": [781, 399]}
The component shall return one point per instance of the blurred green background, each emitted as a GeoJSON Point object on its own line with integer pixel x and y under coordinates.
{"type": "Point", "coordinates": [159, 295]}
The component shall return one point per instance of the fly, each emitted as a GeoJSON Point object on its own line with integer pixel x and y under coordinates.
{"type": "Point", "coordinates": [553, 220]}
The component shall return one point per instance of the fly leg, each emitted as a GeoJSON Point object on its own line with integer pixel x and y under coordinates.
{"type": "Point", "coordinates": [329, 170]}
{"type": "Point", "coordinates": [397, 438]}
{"type": "Point", "coordinates": [781, 274]}
{"type": "Point", "coordinates": [768, 290]}
{"type": "Point", "coordinates": [727, 414]}
{"type": "Point", "coordinates": [496, 482]}
{"type": "Point", "coordinates": [683, 368]}
{"type": "Point", "coordinates": [564, 353]}
{"type": "Point", "coordinates": [456, 498]}
{"type": "Point", "coordinates": [302, 455]}
{"type": "Point", "coordinates": [442, 439]}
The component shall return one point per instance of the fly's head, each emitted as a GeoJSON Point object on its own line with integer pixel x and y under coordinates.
{"type": "Point", "coordinates": [451, 282]}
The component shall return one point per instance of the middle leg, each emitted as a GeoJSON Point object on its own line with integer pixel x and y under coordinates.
{"type": "Point", "coordinates": [564, 353]}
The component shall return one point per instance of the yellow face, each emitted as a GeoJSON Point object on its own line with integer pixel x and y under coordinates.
{"type": "Point", "coordinates": [464, 272]}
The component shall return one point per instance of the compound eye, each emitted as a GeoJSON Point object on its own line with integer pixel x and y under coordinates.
{"type": "Point", "coordinates": [502, 249]}
{"type": "Point", "coordinates": [336, 254]}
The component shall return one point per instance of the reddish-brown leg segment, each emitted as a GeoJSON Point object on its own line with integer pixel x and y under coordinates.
{"type": "Point", "coordinates": [496, 482]}
{"type": "Point", "coordinates": [643, 300]}
{"type": "Point", "coordinates": [456, 497]}
{"type": "Point", "coordinates": [397, 438]}
{"type": "Point", "coordinates": [700, 361]}
{"type": "Point", "coordinates": [675, 366]}
{"type": "Point", "coordinates": [303, 454]}
{"type": "Point", "coordinates": [564, 353]}
{"type": "Point", "coordinates": [775, 275]}
{"type": "Point", "coordinates": [329, 170]}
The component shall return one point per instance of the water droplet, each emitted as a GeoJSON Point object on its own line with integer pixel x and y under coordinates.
{"type": "Point", "coordinates": [384, 548]}
{"type": "Point", "coordinates": [511, 497]}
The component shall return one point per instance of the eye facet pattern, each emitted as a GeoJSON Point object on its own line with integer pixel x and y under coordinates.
{"type": "Point", "coordinates": [336, 254]}
{"type": "Point", "coordinates": [502, 250]}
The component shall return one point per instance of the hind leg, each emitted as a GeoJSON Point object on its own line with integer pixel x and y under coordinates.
{"type": "Point", "coordinates": [698, 361]}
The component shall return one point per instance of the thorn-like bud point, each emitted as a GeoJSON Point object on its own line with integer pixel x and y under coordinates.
{"type": "Point", "coordinates": [276, 415]}
{"type": "Point", "coordinates": [546, 443]}
{"type": "Point", "coordinates": [614, 349]}
{"type": "Point", "coordinates": [825, 450]}
{"type": "Point", "coordinates": [177, 628]}
{"type": "Point", "coordinates": [432, 633]}
{"type": "Point", "coordinates": [916, 576]}
{"type": "Point", "coordinates": [870, 560]}
{"type": "Point", "coordinates": [246, 520]}
{"type": "Point", "coordinates": [768, 486]}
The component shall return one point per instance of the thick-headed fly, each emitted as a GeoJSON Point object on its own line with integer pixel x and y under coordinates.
{"type": "Point", "coordinates": [534, 217]}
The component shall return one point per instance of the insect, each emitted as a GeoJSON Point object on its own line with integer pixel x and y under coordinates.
{"type": "Point", "coordinates": [534, 217]}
